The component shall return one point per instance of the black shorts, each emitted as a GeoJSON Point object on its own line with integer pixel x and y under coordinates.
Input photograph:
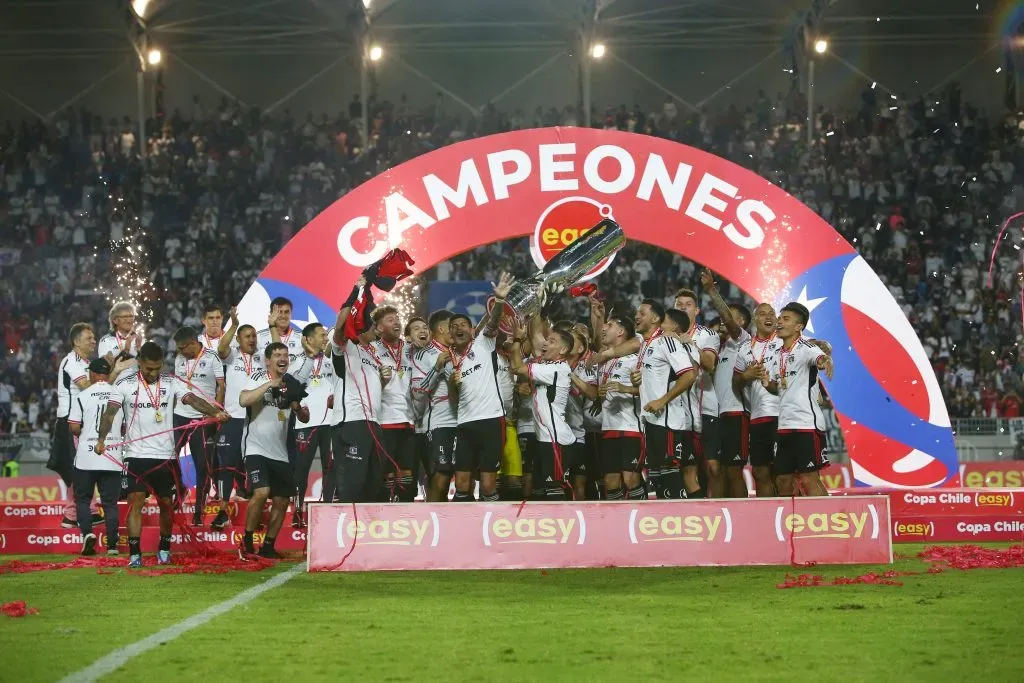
{"type": "Point", "coordinates": [108, 482]}
{"type": "Point", "coordinates": [149, 475]}
{"type": "Point", "coordinates": [621, 454]}
{"type": "Point", "coordinates": [710, 437]}
{"type": "Point", "coordinates": [800, 452]}
{"type": "Point", "coordinates": [552, 463]}
{"type": "Point", "coordinates": [480, 445]}
{"type": "Point", "coordinates": [262, 472]}
{"type": "Point", "coordinates": [579, 459]}
{"type": "Point", "coordinates": [229, 443]}
{"type": "Point", "coordinates": [762, 441]}
{"type": "Point", "coordinates": [399, 443]}
{"type": "Point", "coordinates": [735, 439]}
{"type": "Point", "coordinates": [528, 450]}
{"type": "Point", "coordinates": [665, 448]}
{"type": "Point", "coordinates": [62, 451]}
{"type": "Point", "coordinates": [441, 445]}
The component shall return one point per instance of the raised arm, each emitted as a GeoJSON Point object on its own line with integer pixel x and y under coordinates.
{"type": "Point", "coordinates": [707, 279]}
{"type": "Point", "coordinates": [501, 290]}
{"type": "Point", "coordinates": [346, 309]}
{"type": "Point", "coordinates": [224, 345]}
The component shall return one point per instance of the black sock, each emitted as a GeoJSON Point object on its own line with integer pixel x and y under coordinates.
{"type": "Point", "coordinates": [268, 542]}
{"type": "Point", "coordinates": [489, 497]}
{"type": "Point", "coordinates": [165, 542]}
{"type": "Point", "coordinates": [616, 494]}
{"type": "Point", "coordinates": [555, 493]}
{"type": "Point", "coordinates": [695, 494]}
{"type": "Point", "coordinates": [461, 497]}
{"type": "Point", "coordinates": [636, 493]}
{"type": "Point", "coordinates": [406, 489]}
{"type": "Point", "coordinates": [134, 545]}
{"type": "Point", "coordinates": [672, 485]}
{"type": "Point", "coordinates": [247, 541]}
{"type": "Point", "coordinates": [511, 493]}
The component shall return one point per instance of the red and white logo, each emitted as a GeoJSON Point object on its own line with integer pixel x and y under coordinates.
{"type": "Point", "coordinates": [563, 223]}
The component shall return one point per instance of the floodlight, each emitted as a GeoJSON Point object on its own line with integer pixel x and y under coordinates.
{"type": "Point", "coordinates": [821, 46]}
{"type": "Point", "coordinates": [376, 52]}
{"type": "Point", "coordinates": [154, 56]}
{"type": "Point", "coordinates": [597, 50]}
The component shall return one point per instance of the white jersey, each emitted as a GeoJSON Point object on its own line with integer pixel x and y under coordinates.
{"type": "Point", "coordinates": [212, 343]}
{"type": "Point", "coordinates": [591, 413]}
{"type": "Point", "coordinates": [357, 387]}
{"type": "Point", "coordinates": [430, 391]}
{"type": "Point", "coordinates": [87, 410]}
{"type": "Point", "coordinates": [317, 373]}
{"type": "Point", "coordinates": [551, 385]}
{"type": "Point", "coordinates": [200, 376]}
{"type": "Point", "coordinates": [706, 339]}
{"type": "Point", "coordinates": [293, 340]}
{"type": "Point", "coordinates": [760, 403]}
{"type": "Point", "coordinates": [114, 344]}
{"type": "Point", "coordinates": [620, 413]}
{"type": "Point", "coordinates": [693, 400]}
{"type": "Point", "coordinates": [575, 409]}
{"type": "Point", "coordinates": [479, 395]}
{"type": "Point", "coordinates": [266, 423]}
{"type": "Point", "coordinates": [71, 369]}
{"type": "Point", "coordinates": [147, 412]}
{"type": "Point", "coordinates": [798, 400]}
{"type": "Point", "coordinates": [238, 368]}
{"type": "Point", "coordinates": [729, 402]}
{"type": "Point", "coordinates": [506, 383]}
{"type": "Point", "coordinates": [396, 398]}
{"type": "Point", "coordinates": [664, 362]}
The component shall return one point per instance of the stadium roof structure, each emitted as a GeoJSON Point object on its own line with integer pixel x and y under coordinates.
{"type": "Point", "coordinates": [55, 30]}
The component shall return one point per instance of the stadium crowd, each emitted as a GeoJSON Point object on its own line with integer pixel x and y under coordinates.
{"type": "Point", "coordinates": [919, 188]}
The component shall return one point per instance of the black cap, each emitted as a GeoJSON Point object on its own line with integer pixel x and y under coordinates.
{"type": "Point", "coordinates": [100, 366]}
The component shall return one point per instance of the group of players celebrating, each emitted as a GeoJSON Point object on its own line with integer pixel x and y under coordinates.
{"type": "Point", "coordinates": [633, 404]}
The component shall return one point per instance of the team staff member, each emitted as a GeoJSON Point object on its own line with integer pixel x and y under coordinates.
{"type": "Point", "coordinates": [315, 435]}
{"type": "Point", "coordinates": [437, 411]}
{"type": "Point", "coordinates": [396, 412]}
{"type": "Point", "coordinates": [202, 371]}
{"type": "Point", "coordinates": [92, 471]}
{"type": "Point", "coordinates": [268, 403]}
{"type": "Point", "coordinates": [356, 436]}
{"type": "Point", "coordinates": [240, 363]}
{"type": "Point", "coordinates": [472, 378]}
{"type": "Point", "coordinates": [665, 374]}
{"type": "Point", "coordinates": [280, 329]}
{"type": "Point", "coordinates": [123, 339]}
{"type": "Point", "coordinates": [732, 416]}
{"type": "Point", "coordinates": [762, 405]}
{"type": "Point", "coordinates": [147, 398]}
{"type": "Point", "coordinates": [72, 377]}
{"type": "Point", "coordinates": [792, 374]}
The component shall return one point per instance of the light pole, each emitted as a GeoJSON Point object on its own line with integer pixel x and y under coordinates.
{"type": "Point", "coordinates": [820, 47]}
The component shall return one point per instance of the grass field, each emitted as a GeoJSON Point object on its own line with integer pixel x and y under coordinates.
{"type": "Point", "coordinates": [729, 624]}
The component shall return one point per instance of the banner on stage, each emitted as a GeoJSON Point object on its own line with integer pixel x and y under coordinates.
{"type": "Point", "coordinates": [370, 537]}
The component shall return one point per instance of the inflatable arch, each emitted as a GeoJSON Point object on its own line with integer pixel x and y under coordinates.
{"type": "Point", "coordinates": [687, 201]}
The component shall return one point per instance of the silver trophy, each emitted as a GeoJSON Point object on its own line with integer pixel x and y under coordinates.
{"type": "Point", "coordinates": [528, 296]}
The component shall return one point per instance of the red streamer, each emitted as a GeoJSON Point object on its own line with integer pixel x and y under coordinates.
{"type": "Point", "coordinates": [17, 609]}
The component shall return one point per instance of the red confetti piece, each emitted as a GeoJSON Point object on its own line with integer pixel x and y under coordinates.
{"type": "Point", "coordinates": [17, 609]}
{"type": "Point", "coordinates": [962, 557]}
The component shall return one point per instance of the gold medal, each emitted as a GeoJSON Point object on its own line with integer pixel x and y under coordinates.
{"type": "Point", "coordinates": [782, 383]}
{"type": "Point", "coordinates": [281, 416]}
{"type": "Point", "coordinates": [316, 382]}
{"type": "Point", "coordinates": [401, 374]}
{"type": "Point", "coordinates": [159, 417]}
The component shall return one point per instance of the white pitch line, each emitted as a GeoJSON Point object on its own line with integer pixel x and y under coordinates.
{"type": "Point", "coordinates": [118, 658]}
